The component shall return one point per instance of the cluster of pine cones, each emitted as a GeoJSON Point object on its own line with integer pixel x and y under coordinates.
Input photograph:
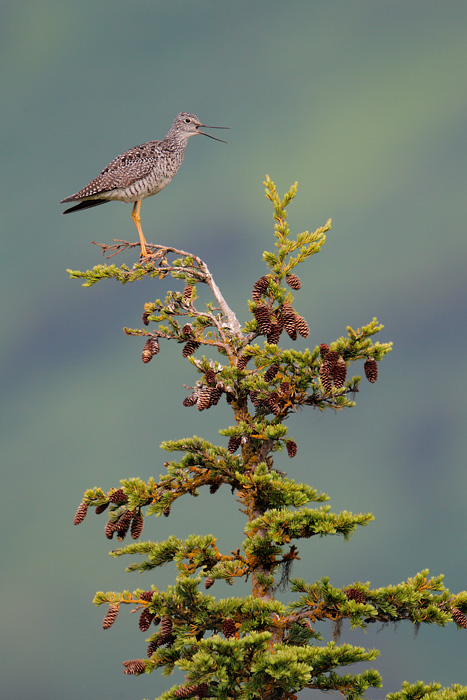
{"type": "Point", "coordinates": [131, 520]}
{"type": "Point", "coordinates": [273, 323]}
{"type": "Point", "coordinates": [208, 395]}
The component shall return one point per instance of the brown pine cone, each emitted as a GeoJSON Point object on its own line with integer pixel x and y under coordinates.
{"type": "Point", "coordinates": [323, 349]}
{"type": "Point", "coordinates": [80, 513]}
{"type": "Point", "coordinates": [459, 618]}
{"type": "Point", "coordinates": [118, 496]}
{"type": "Point", "coordinates": [261, 314]}
{"type": "Point", "coordinates": [293, 281]}
{"type": "Point", "coordinates": [271, 372]}
{"type": "Point", "coordinates": [326, 378]}
{"type": "Point", "coordinates": [144, 318]}
{"type": "Point", "coordinates": [254, 399]}
{"type": "Point", "coordinates": [339, 373]}
{"type": "Point", "coordinates": [213, 488]}
{"type": "Point", "coordinates": [134, 667]}
{"type": "Point", "coordinates": [187, 329]}
{"type": "Point", "coordinates": [146, 595]}
{"type": "Point", "coordinates": [145, 620]}
{"type": "Point", "coordinates": [190, 400]}
{"type": "Point", "coordinates": [201, 690]}
{"type": "Point", "coordinates": [187, 292]}
{"type": "Point", "coordinates": [110, 616]}
{"type": "Point", "coordinates": [210, 376]}
{"type": "Point", "coordinates": [190, 347]}
{"type": "Point", "coordinates": [242, 361]}
{"type": "Point", "coordinates": [137, 525]}
{"type": "Point", "coordinates": [150, 349]}
{"type": "Point", "coordinates": [229, 628]}
{"type": "Point", "coordinates": [123, 524]}
{"type": "Point", "coordinates": [260, 287]}
{"type": "Point", "coordinates": [109, 529]}
{"type": "Point", "coordinates": [273, 402]}
{"type": "Point", "coordinates": [289, 320]}
{"type": "Point", "coordinates": [355, 594]}
{"type": "Point", "coordinates": [208, 582]}
{"type": "Point", "coordinates": [166, 627]}
{"type": "Point", "coordinates": [234, 444]}
{"type": "Point", "coordinates": [126, 517]}
{"type": "Point", "coordinates": [371, 370]}
{"type": "Point", "coordinates": [302, 326]}
{"type": "Point", "coordinates": [291, 448]}
{"type": "Point", "coordinates": [216, 393]}
{"type": "Point", "coordinates": [204, 398]}
{"type": "Point", "coordinates": [330, 360]}
{"type": "Point", "coordinates": [100, 509]}
{"type": "Point", "coordinates": [274, 334]}
{"type": "Point", "coordinates": [152, 647]}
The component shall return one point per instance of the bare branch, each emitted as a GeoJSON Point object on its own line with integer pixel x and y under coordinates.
{"type": "Point", "coordinates": [199, 270]}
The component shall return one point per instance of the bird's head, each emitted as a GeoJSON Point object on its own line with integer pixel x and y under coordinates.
{"type": "Point", "coordinates": [186, 125]}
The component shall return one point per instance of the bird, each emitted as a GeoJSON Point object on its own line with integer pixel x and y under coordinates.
{"type": "Point", "coordinates": [141, 171]}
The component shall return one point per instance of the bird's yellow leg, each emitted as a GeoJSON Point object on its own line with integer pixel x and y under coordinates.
{"type": "Point", "coordinates": [137, 219]}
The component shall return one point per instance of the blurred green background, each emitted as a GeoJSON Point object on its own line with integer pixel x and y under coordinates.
{"type": "Point", "coordinates": [364, 103]}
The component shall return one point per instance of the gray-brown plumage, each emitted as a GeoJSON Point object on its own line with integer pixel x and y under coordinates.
{"type": "Point", "coordinates": [142, 171]}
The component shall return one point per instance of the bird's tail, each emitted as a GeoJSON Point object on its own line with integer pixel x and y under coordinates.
{"type": "Point", "coordinates": [86, 205]}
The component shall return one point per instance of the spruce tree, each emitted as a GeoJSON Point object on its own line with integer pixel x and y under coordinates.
{"type": "Point", "coordinates": [255, 646]}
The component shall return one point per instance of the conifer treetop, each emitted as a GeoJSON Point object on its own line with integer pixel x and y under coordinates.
{"type": "Point", "coordinates": [255, 646]}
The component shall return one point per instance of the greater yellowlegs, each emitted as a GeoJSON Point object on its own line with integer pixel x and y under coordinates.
{"type": "Point", "coordinates": [142, 171]}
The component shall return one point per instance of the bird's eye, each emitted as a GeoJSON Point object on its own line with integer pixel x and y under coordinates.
{"type": "Point", "coordinates": [187, 120]}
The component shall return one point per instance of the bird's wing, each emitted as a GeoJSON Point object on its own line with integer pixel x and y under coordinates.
{"type": "Point", "coordinates": [123, 171]}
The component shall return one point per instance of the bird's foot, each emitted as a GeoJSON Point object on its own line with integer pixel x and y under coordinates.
{"type": "Point", "coordinates": [146, 255]}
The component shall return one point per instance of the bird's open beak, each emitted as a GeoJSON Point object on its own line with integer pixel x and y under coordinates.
{"type": "Point", "coordinates": [205, 126]}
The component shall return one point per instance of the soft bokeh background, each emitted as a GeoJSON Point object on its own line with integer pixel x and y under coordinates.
{"type": "Point", "coordinates": [364, 103]}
